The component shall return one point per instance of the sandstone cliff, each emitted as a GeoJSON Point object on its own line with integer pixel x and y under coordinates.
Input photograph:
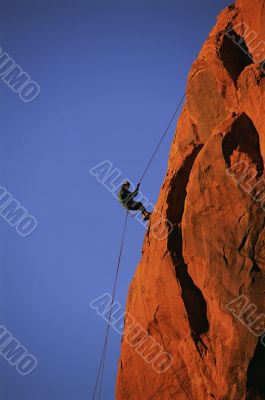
{"type": "Point", "coordinates": [216, 250]}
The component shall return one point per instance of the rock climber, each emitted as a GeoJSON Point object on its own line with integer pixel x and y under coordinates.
{"type": "Point", "coordinates": [126, 198]}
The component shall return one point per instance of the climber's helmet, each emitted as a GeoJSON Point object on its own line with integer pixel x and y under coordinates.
{"type": "Point", "coordinates": [126, 184]}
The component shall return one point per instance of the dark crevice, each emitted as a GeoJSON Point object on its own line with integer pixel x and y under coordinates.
{"type": "Point", "coordinates": [234, 54]}
{"type": "Point", "coordinates": [262, 70]}
{"type": "Point", "coordinates": [244, 240]}
{"type": "Point", "coordinates": [224, 257]}
{"type": "Point", "coordinates": [192, 296]}
{"type": "Point", "coordinates": [244, 138]}
{"type": "Point", "coordinates": [195, 305]}
{"type": "Point", "coordinates": [255, 267]}
{"type": "Point", "coordinates": [255, 272]}
{"type": "Point", "coordinates": [256, 374]}
{"type": "Point", "coordinates": [176, 201]}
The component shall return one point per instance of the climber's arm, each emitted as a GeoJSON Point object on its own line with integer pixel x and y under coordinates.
{"type": "Point", "coordinates": [135, 193]}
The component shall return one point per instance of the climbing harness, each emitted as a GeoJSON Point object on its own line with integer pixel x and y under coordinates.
{"type": "Point", "coordinates": [100, 373]}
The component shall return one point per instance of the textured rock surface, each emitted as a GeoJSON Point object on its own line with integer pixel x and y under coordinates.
{"type": "Point", "coordinates": [216, 251]}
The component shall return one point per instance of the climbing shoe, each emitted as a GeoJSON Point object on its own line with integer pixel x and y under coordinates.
{"type": "Point", "coordinates": [146, 215]}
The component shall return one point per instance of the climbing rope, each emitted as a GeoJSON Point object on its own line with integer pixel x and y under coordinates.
{"type": "Point", "coordinates": [102, 359]}
{"type": "Point", "coordinates": [100, 373]}
{"type": "Point", "coordinates": [162, 138]}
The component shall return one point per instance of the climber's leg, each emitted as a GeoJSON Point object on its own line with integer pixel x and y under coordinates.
{"type": "Point", "coordinates": [137, 205]}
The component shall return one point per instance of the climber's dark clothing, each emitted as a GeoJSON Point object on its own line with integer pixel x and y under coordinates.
{"type": "Point", "coordinates": [136, 205]}
{"type": "Point", "coordinates": [126, 199]}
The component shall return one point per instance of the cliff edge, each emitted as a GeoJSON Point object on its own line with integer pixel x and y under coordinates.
{"type": "Point", "coordinates": [198, 292]}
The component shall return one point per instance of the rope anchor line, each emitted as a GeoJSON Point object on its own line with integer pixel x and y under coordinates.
{"type": "Point", "coordinates": [100, 373]}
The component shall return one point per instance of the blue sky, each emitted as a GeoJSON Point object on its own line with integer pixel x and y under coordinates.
{"type": "Point", "coordinates": [111, 74]}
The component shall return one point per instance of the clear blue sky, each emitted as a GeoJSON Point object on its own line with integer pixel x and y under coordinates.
{"type": "Point", "coordinates": [111, 74]}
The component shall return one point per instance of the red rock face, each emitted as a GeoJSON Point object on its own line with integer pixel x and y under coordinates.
{"type": "Point", "coordinates": [214, 197]}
